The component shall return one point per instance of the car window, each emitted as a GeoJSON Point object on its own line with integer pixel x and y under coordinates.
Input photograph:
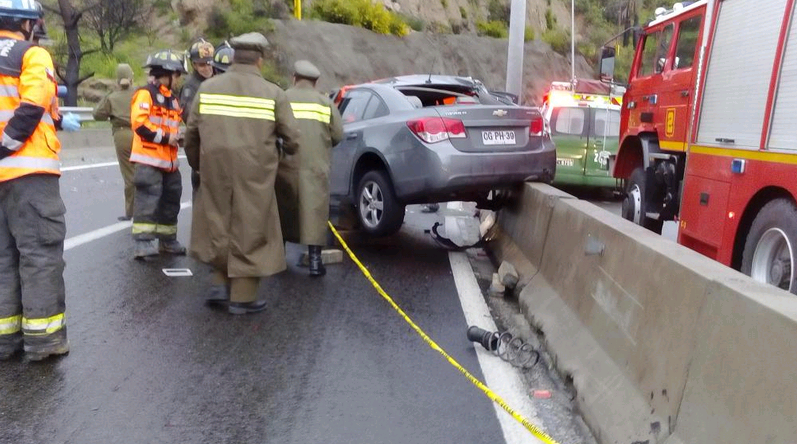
{"type": "Point", "coordinates": [687, 42]}
{"type": "Point", "coordinates": [569, 120]}
{"type": "Point", "coordinates": [354, 105]}
{"type": "Point", "coordinates": [606, 122]}
{"type": "Point", "coordinates": [375, 108]}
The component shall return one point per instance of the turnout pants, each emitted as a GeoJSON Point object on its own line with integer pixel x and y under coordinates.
{"type": "Point", "coordinates": [32, 293]}
{"type": "Point", "coordinates": [157, 203]}
{"type": "Point", "coordinates": [123, 140]}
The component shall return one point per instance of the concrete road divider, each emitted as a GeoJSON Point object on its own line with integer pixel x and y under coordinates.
{"type": "Point", "coordinates": [663, 345]}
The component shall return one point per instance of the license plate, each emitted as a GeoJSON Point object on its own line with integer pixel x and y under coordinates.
{"type": "Point", "coordinates": [565, 162]}
{"type": "Point", "coordinates": [499, 137]}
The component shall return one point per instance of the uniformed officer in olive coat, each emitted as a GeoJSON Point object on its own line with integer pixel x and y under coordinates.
{"type": "Point", "coordinates": [231, 140]}
{"type": "Point", "coordinates": [116, 108]}
{"type": "Point", "coordinates": [303, 178]}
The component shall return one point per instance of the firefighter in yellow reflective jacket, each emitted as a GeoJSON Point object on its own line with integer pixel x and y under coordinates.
{"type": "Point", "coordinates": [155, 119]}
{"type": "Point", "coordinates": [32, 228]}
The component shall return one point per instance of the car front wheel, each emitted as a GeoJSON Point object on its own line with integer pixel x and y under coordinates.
{"type": "Point", "coordinates": [380, 213]}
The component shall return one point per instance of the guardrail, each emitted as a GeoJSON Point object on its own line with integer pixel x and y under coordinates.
{"type": "Point", "coordinates": [83, 112]}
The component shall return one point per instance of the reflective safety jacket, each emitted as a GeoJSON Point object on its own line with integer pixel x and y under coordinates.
{"type": "Point", "coordinates": [154, 116]}
{"type": "Point", "coordinates": [27, 94]}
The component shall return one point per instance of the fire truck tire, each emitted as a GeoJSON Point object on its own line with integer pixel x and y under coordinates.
{"type": "Point", "coordinates": [634, 205]}
{"type": "Point", "coordinates": [770, 250]}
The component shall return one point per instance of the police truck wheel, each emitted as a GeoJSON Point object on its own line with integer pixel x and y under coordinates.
{"type": "Point", "coordinates": [378, 210]}
{"type": "Point", "coordinates": [634, 205]}
{"type": "Point", "coordinates": [770, 250]}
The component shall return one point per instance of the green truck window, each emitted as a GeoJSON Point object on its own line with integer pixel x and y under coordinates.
{"type": "Point", "coordinates": [687, 42]}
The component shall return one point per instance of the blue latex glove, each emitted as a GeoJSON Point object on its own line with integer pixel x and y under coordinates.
{"type": "Point", "coordinates": [70, 122]}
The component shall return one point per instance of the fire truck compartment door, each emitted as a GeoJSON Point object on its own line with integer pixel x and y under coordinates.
{"type": "Point", "coordinates": [739, 72]}
{"type": "Point", "coordinates": [705, 201]}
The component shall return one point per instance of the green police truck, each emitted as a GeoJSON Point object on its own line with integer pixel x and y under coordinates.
{"type": "Point", "coordinates": [584, 120]}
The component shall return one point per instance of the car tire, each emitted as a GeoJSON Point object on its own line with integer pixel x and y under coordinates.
{"type": "Point", "coordinates": [770, 250]}
{"type": "Point", "coordinates": [635, 205]}
{"type": "Point", "coordinates": [378, 210]}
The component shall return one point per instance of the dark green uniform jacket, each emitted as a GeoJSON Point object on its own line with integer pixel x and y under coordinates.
{"type": "Point", "coordinates": [303, 178]}
{"type": "Point", "coordinates": [231, 138]}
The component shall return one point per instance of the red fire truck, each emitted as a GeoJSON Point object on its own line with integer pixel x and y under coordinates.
{"type": "Point", "coordinates": [708, 132]}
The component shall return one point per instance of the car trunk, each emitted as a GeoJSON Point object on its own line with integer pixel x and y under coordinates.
{"type": "Point", "coordinates": [488, 127]}
{"type": "Point", "coordinates": [494, 128]}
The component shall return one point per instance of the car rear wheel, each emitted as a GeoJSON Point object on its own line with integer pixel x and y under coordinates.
{"type": "Point", "coordinates": [770, 250]}
{"type": "Point", "coordinates": [380, 213]}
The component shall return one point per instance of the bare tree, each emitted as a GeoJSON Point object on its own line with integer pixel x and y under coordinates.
{"type": "Point", "coordinates": [71, 12]}
{"type": "Point", "coordinates": [114, 20]}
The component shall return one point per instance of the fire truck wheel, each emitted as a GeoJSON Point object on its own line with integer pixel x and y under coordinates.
{"type": "Point", "coordinates": [770, 250]}
{"type": "Point", "coordinates": [634, 202]}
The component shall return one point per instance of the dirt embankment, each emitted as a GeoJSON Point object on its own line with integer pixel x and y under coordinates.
{"type": "Point", "coordinates": [347, 55]}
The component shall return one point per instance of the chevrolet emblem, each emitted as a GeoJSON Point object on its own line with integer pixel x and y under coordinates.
{"type": "Point", "coordinates": [499, 113]}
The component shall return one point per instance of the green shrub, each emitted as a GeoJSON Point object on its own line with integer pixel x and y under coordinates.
{"type": "Point", "coordinates": [494, 28]}
{"type": "Point", "coordinates": [416, 23]}
{"type": "Point", "coordinates": [436, 27]}
{"type": "Point", "coordinates": [498, 10]}
{"type": "Point", "coordinates": [362, 13]}
{"type": "Point", "coordinates": [528, 34]}
{"type": "Point", "coordinates": [550, 19]}
{"type": "Point", "coordinates": [240, 17]}
{"type": "Point", "coordinates": [558, 39]}
{"type": "Point", "coordinates": [463, 13]}
{"type": "Point", "coordinates": [444, 3]}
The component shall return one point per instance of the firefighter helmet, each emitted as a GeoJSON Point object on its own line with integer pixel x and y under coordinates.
{"type": "Point", "coordinates": [222, 59]}
{"type": "Point", "coordinates": [20, 9]}
{"type": "Point", "coordinates": [201, 51]}
{"type": "Point", "coordinates": [166, 60]}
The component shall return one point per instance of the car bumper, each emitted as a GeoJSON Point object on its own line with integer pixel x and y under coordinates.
{"type": "Point", "coordinates": [442, 172]}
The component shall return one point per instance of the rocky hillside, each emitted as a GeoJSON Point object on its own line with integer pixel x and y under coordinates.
{"type": "Point", "coordinates": [348, 55]}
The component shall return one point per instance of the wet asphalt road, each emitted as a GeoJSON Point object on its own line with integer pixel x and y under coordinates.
{"type": "Point", "coordinates": [329, 361]}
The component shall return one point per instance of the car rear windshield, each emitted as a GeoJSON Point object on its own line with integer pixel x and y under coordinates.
{"type": "Point", "coordinates": [443, 95]}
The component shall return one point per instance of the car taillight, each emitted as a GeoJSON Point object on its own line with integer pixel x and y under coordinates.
{"type": "Point", "coordinates": [536, 127]}
{"type": "Point", "coordinates": [436, 129]}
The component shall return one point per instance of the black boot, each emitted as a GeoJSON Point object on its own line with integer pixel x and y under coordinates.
{"type": "Point", "coordinates": [316, 262]}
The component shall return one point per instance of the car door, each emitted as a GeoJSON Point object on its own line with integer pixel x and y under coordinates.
{"type": "Point", "coordinates": [569, 130]}
{"type": "Point", "coordinates": [604, 139]}
{"type": "Point", "coordinates": [356, 109]}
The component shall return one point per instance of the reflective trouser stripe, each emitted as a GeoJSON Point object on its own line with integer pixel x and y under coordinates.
{"type": "Point", "coordinates": [311, 115]}
{"type": "Point", "coordinates": [144, 228]}
{"type": "Point", "coordinates": [165, 229]}
{"type": "Point", "coordinates": [43, 326]}
{"type": "Point", "coordinates": [154, 161]}
{"type": "Point", "coordinates": [34, 163]}
{"type": "Point", "coordinates": [10, 325]}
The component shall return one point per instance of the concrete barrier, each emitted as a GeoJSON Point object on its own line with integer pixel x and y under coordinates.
{"type": "Point", "coordinates": [86, 138]}
{"type": "Point", "coordinates": [633, 319]}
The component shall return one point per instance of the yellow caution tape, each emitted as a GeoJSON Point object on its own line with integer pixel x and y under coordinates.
{"type": "Point", "coordinates": [536, 431]}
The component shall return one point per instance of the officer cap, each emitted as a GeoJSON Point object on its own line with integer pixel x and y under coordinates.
{"type": "Point", "coordinates": [252, 41]}
{"type": "Point", "coordinates": [124, 74]}
{"type": "Point", "coordinates": [306, 70]}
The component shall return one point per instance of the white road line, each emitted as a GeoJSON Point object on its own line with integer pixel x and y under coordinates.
{"type": "Point", "coordinates": [97, 165]}
{"type": "Point", "coordinates": [91, 236]}
{"type": "Point", "coordinates": [500, 376]}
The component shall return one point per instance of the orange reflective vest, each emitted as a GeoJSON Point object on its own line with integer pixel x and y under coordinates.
{"type": "Point", "coordinates": [27, 92]}
{"type": "Point", "coordinates": [154, 116]}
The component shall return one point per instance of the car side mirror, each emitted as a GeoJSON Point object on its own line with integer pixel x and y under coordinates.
{"type": "Point", "coordinates": [608, 57]}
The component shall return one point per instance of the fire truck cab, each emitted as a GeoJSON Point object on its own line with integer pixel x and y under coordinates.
{"type": "Point", "coordinates": [708, 134]}
{"type": "Point", "coordinates": [656, 114]}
